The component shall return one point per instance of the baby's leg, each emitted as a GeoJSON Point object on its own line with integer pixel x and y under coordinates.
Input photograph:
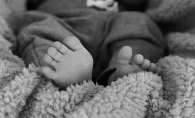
{"type": "Point", "coordinates": [130, 34]}
{"type": "Point", "coordinates": [127, 63]}
{"type": "Point", "coordinates": [71, 61]}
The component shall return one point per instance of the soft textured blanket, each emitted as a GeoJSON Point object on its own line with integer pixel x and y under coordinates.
{"type": "Point", "coordinates": [24, 93]}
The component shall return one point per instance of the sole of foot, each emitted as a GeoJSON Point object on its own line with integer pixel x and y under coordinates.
{"type": "Point", "coordinates": [72, 63]}
{"type": "Point", "coordinates": [127, 63]}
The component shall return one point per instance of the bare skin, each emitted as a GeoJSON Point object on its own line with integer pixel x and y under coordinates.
{"type": "Point", "coordinates": [73, 63]}
{"type": "Point", "coordinates": [127, 63]}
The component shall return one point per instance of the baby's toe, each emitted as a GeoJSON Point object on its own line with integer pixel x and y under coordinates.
{"type": "Point", "coordinates": [73, 43]}
{"type": "Point", "coordinates": [153, 68]}
{"type": "Point", "coordinates": [60, 47]}
{"type": "Point", "coordinates": [159, 71]}
{"type": "Point", "coordinates": [48, 72]}
{"type": "Point", "coordinates": [54, 53]}
{"type": "Point", "coordinates": [138, 59]}
{"type": "Point", "coordinates": [48, 59]}
{"type": "Point", "coordinates": [124, 56]}
{"type": "Point", "coordinates": [146, 64]}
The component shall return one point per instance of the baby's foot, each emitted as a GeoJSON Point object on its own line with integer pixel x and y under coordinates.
{"type": "Point", "coordinates": [127, 64]}
{"type": "Point", "coordinates": [71, 61]}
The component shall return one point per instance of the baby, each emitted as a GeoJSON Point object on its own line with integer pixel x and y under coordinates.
{"type": "Point", "coordinates": [73, 63]}
{"type": "Point", "coordinates": [62, 37]}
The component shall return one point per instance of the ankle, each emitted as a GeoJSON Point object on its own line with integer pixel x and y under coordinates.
{"type": "Point", "coordinates": [112, 78]}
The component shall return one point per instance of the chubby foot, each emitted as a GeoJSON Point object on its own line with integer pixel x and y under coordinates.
{"type": "Point", "coordinates": [71, 62]}
{"type": "Point", "coordinates": [126, 63]}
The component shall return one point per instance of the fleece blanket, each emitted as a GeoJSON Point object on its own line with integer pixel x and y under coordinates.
{"type": "Point", "coordinates": [25, 93]}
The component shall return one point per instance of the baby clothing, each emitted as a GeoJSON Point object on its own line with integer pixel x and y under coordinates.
{"type": "Point", "coordinates": [102, 33]}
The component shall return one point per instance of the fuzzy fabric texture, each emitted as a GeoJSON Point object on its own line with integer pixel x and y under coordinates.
{"type": "Point", "coordinates": [24, 93]}
{"type": "Point", "coordinates": [173, 15]}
